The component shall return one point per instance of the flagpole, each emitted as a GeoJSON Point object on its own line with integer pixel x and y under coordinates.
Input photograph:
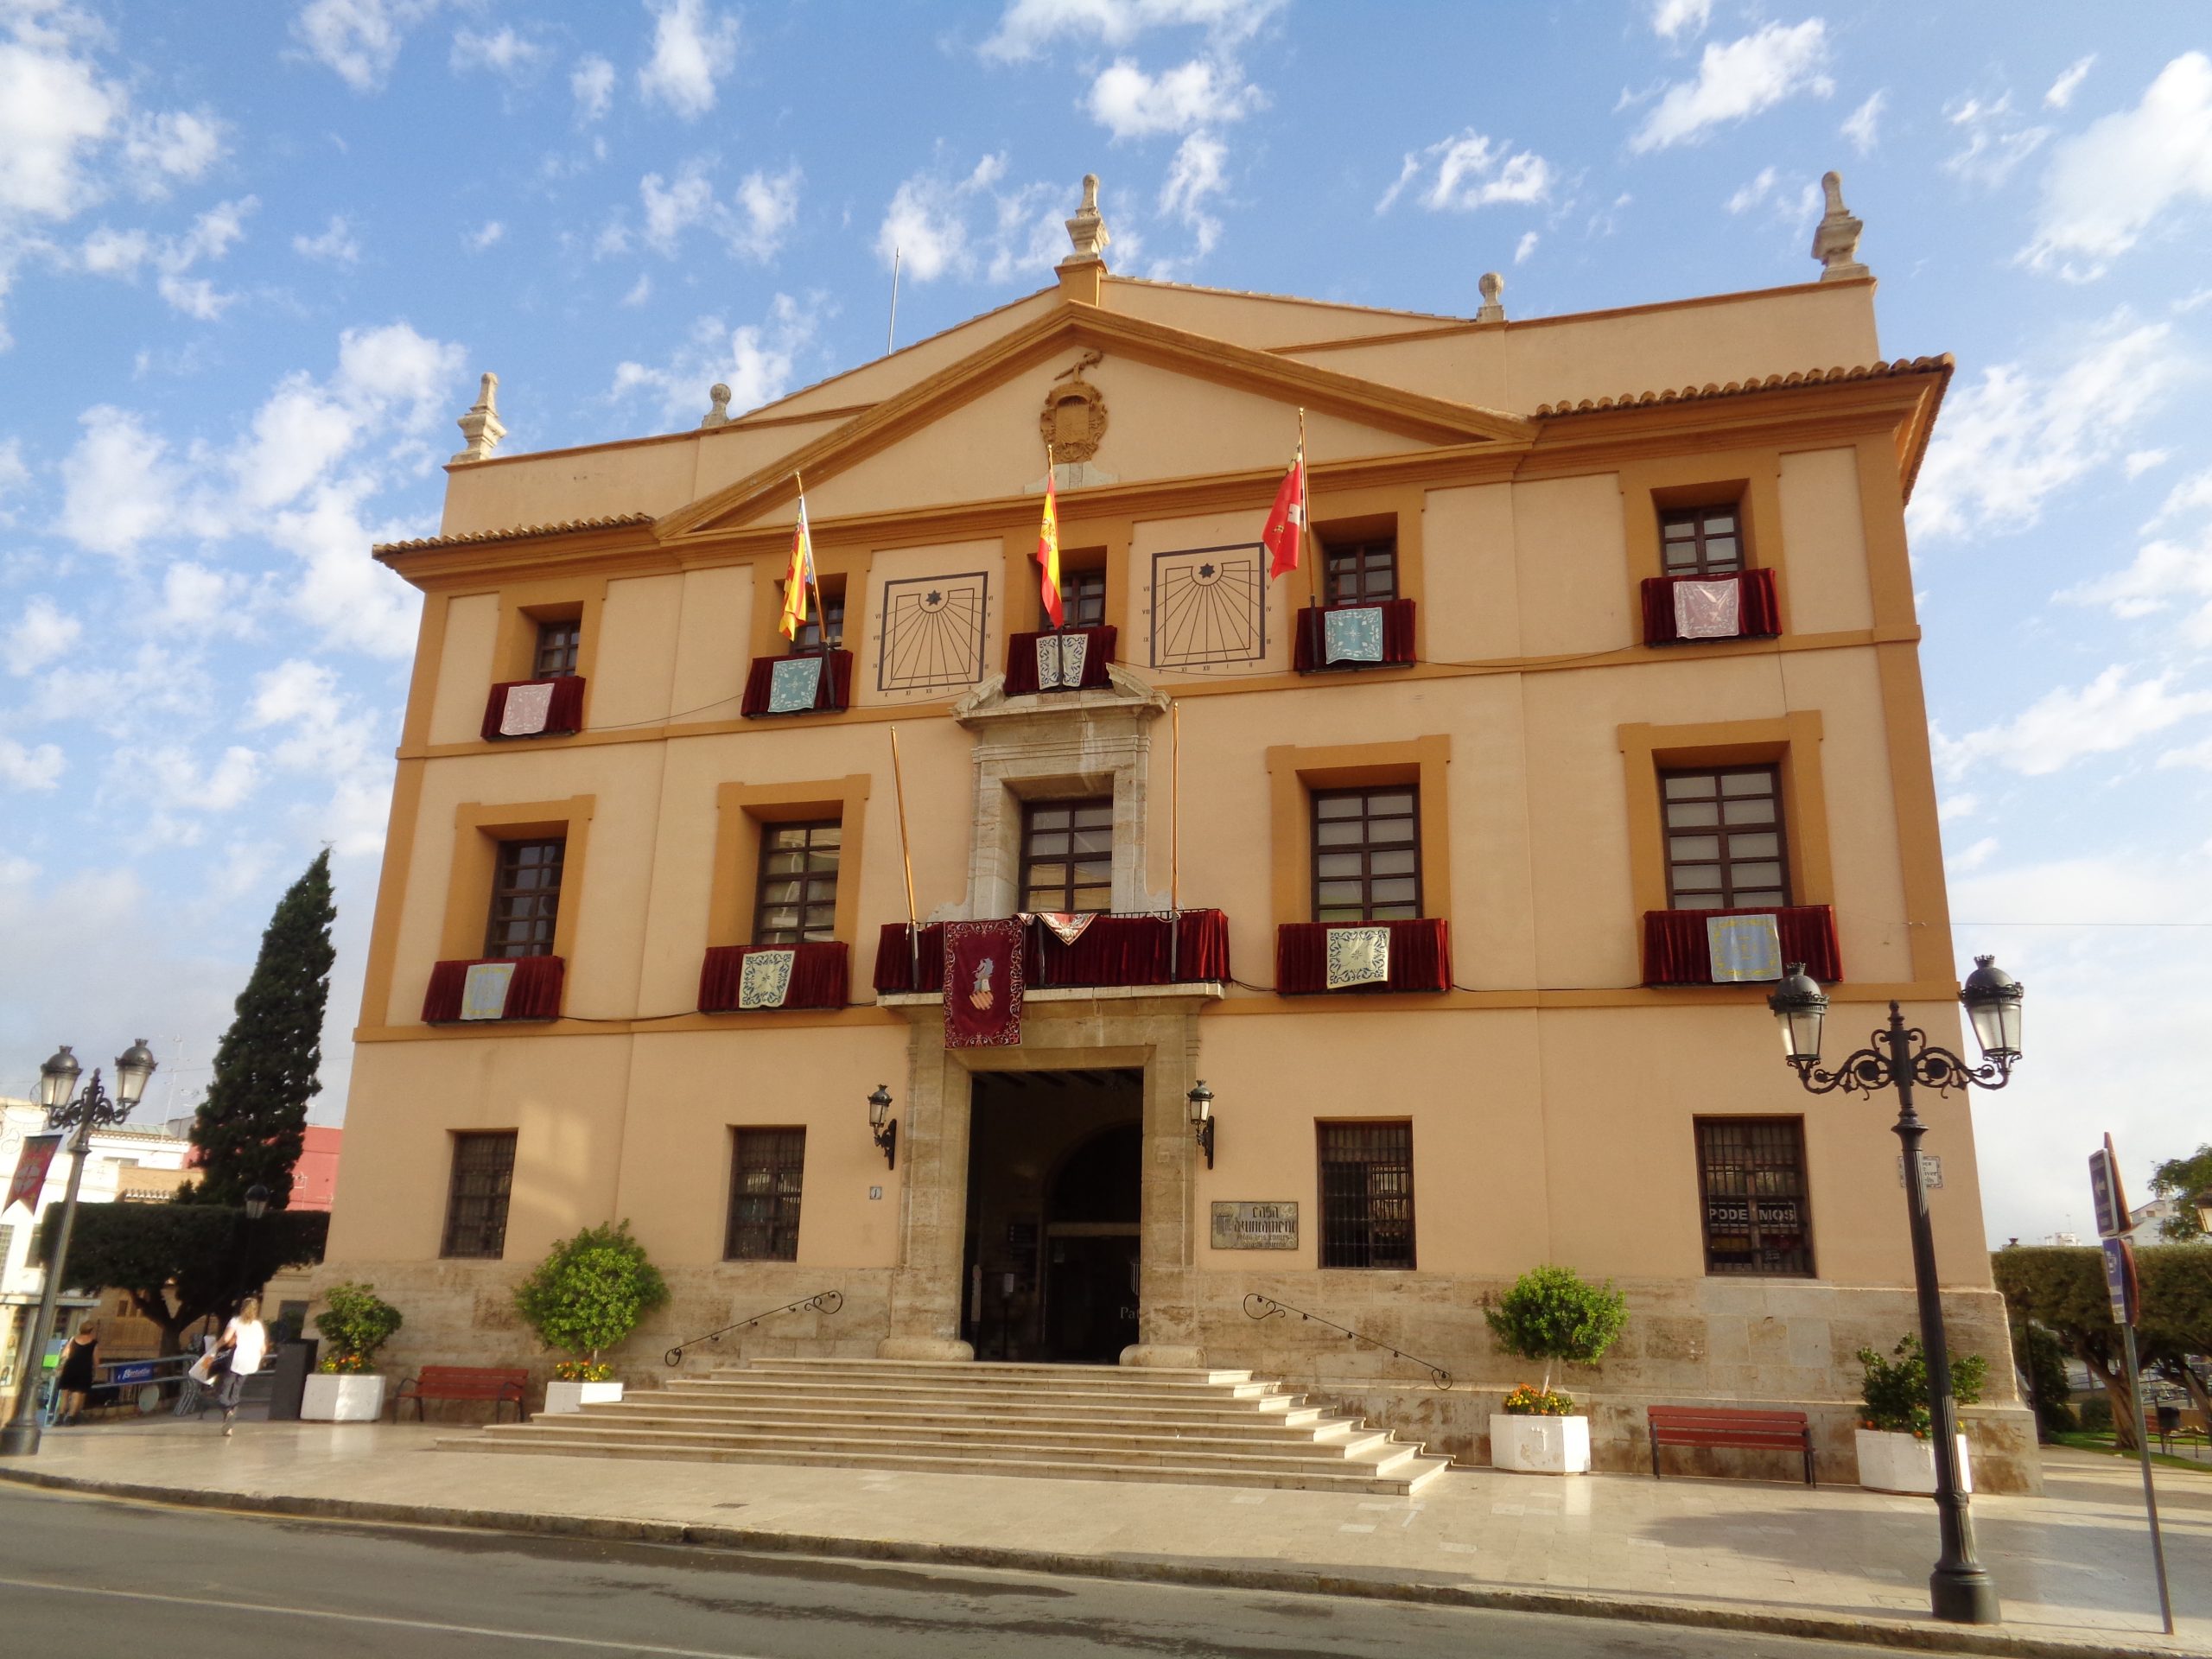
{"type": "Point", "coordinates": [907, 858]}
{"type": "Point", "coordinates": [813, 569]}
{"type": "Point", "coordinates": [1305, 516]}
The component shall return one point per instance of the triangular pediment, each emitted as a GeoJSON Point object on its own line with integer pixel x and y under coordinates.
{"type": "Point", "coordinates": [1178, 405]}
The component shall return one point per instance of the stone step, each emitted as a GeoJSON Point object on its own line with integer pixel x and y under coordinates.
{"type": "Point", "coordinates": [971, 1370]}
{"type": "Point", "coordinates": [1339, 1438]}
{"type": "Point", "coordinates": [1281, 1409]}
{"type": "Point", "coordinates": [826, 1386]}
{"type": "Point", "coordinates": [1375, 1451]}
{"type": "Point", "coordinates": [1309, 1422]}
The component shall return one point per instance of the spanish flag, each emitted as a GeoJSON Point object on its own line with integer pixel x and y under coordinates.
{"type": "Point", "coordinates": [799, 577]}
{"type": "Point", "coordinates": [1048, 548]}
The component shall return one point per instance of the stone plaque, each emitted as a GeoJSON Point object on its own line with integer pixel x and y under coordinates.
{"type": "Point", "coordinates": [1242, 1226]}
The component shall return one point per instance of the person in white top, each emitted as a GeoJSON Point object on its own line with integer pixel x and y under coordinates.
{"type": "Point", "coordinates": [246, 1343]}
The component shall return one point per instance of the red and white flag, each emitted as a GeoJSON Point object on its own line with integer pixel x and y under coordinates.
{"type": "Point", "coordinates": [1284, 536]}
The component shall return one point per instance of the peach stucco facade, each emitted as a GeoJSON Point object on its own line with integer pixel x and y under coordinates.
{"type": "Point", "coordinates": [1520, 469]}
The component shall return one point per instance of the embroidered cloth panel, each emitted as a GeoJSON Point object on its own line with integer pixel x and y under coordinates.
{"type": "Point", "coordinates": [1708, 610]}
{"type": "Point", "coordinates": [484, 989]}
{"type": "Point", "coordinates": [1353, 636]}
{"type": "Point", "coordinates": [1358, 956]}
{"type": "Point", "coordinates": [765, 979]}
{"type": "Point", "coordinates": [983, 983]}
{"type": "Point", "coordinates": [1744, 947]}
{"type": "Point", "coordinates": [1066, 927]}
{"type": "Point", "coordinates": [794, 685]}
{"type": "Point", "coordinates": [1060, 659]}
{"type": "Point", "coordinates": [526, 708]}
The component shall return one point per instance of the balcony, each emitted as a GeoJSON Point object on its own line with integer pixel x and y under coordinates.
{"type": "Point", "coordinates": [548, 707]}
{"type": "Point", "coordinates": [494, 989]}
{"type": "Point", "coordinates": [1418, 957]}
{"type": "Point", "coordinates": [1185, 948]}
{"type": "Point", "coordinates": [803, 682]}
{"type": "Point", "coordinates": [1071, 659]}
{"type": "Point", "coordinates": [744, 978]}
{"type": "Point", "coordinates": [1678, 610]}
{"type": "Point", "coordinates": [1327, 638]}
{"type": "Point", "coordinates": [1677, 949]}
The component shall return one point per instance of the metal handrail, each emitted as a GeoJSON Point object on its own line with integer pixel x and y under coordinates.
{"type": "Point", "coordinates": [822, 1302]}
{"type": "Point", "coordinates": [1257, 1306]}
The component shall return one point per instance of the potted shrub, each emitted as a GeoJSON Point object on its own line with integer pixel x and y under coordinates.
{"type": "Point", "coordinates": [1896, 1451]}
{"type": "Point", "coordinates": [346, 1387]}
{"type": "Point", "coordinates": [1553, 1317]}
{"type": "Point", "coordinates": [587, 1295]}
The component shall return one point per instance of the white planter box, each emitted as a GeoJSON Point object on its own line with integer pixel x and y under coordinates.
{"type": "Point", "coordinates": [574, 1396]}
{"type": "Point", "coordinates": [1540, 1446]}
{"type": "Point", "coordinates": [1889, 1462]}
{"type": "Point", "coordinates": [342, 1399]}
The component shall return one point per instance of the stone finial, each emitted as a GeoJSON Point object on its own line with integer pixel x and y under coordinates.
{"type": "Point", "coordinates": [1493, 291]}
{"type": "Point", "coordinates": [1835, 240]}
{"type": "Point", "coordinates": [1087, 231]}
{"type": "Point", "coordinates": [717, 395]}
{"type": "Point", "coordinates": [480, 426]}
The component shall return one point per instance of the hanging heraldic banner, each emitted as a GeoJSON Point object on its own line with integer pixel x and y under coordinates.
{"type": "Point", "coordinates": [982, 983]}
{"type": "Point", "coordinates": [37, 1156]}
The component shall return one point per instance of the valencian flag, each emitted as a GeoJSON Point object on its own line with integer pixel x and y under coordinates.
{"type": "Point", "coordinates": [1284, 536]}
{"type": "Point", "coordinates": [1048, 548]}
{"type": "Point", "coordinates": [800, 576]}
{"type": "Point", "coordinates": [984, 983]}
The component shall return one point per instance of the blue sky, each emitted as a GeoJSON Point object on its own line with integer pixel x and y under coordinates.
{"type": "Point", "coordinates": [253, 257]}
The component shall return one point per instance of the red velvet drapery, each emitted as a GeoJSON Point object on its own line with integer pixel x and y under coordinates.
{"type": "Point", "coordinates": [1421, 956]}
{"type": "Point", "coordinates": [1112, 950]}
{"type": "Point", "coordinates": [1758, 614]}
{"type": "Point", "coordinates": [1022, 660]}
{"type": "Point", "coordinates": [565, 713]}
{"type": "Point", "coordinates": [834, 693]}
{"type": "Point", "coordinates": [1309, 652]}
{"type": "Point", "coordinates": [533, 993]}
{"type": "Point", "coordinates": [1676, 951]}
{"type": "Point", "coordinates": [819, 973]}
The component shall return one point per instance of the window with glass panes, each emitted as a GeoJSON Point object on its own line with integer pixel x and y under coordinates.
{"type": "Point", "coordinates": [557, 649]}
{"type": "Point", "coordinates": [476, 1201]}
{"type": "Point", "coordinates": [1752, 1178]}
{"type": "Point", "coordinates": [764, 1196]}
{"type": "Point", "coordinates": [1367, 1195]}
{"type": "Point", "coordinates": [832, 607]}
{"type": "Point", "coordinates": [797, 893]}
{"type": "Point", "coordinates": [1725, 848]}
{"type": "Point", "coordinates": [1360, 572]}
{"type": "Point", "coordinates": [526, 899]}
{"type": "Point", "coordinates": [1701, 541]}
{"type": "Point", "coordinates": [1367, 855]}
{"type": "Point", "coordinates": [1083, 598]}
{"type": "Point", "coordinates": [1067, 855]}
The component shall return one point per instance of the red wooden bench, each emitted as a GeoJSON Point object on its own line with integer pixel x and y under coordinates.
{"type": "Point", "coordinates": [1730, 1426]}
{"type": "Point", "coordinates": [501, 1387]}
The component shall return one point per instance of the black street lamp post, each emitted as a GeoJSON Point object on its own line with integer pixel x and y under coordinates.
{"type": "Point", "coordinates": [67, 1109]}
{"type": "Point", "coordinates": [1960, 1589]}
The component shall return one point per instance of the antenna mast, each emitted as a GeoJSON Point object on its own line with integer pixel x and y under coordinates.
{"type": "Point", "coordinates": [890, 331]}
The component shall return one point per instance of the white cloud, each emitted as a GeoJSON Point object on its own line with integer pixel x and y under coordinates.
{"type": "Point", "coordinates": [1738, 80]}
{"type": "Point", "coordinates": [1028, 26]}
{"type": "Point", "coordinates": [640, 291]}
{"type": "Point", "coordinates": [169, 788]}
{"type": "Point", "coordinates": [1524, 247]}
{"type": "Point", "coordinates": [767, 206]}
{"type": "Point", "coordinates": [2140, 461]}
{"type": "Point", "coordinates": [22, 767]}
{"type": "Point", "coordinates": [504, 52]}
{"type": "Point", "coordinates": [358, 40]}
{"type": "Point", "coordinates": [2061, 90]}
{"type": "Point", "coordinates": [13, 474]}
{"type": "Point", "coordinates": [931, 221]}
{"type": "Point", "coordinates": [108, 253]}
{"type": "Point", "coordinates": [2167, 573]}
{"type": "Point", "coordinates": [1131, 103]}
{"type": "Point", "coordinates": [1957, 808]}
{"type": "Point", "coordinates": [1972, 858]}
{"type": "Point", "coordinates": [758, 361]}
{"type": "Point", "coordinates": [201, 602]}
{"type": "Point", "coordinates": [592, 84]}
{"type": "Point", "coordinates": [54, 109]}
{"type": "Point", "coordinates": [2108, 186]}
{"type": "Point", "coordinates": [1198, 174]}
{"type": "Point", "coordinates": [328, 734]}
{"type": "Point", "coordinates": [1997, 139]}
{"type": "Point", "coordinates": [1673, 17]}
{"type": "Point", "coordinates": [1860, 126]}
{"type": "Point", "coordinates": [1468, 171]}
{"type": "Point", "coordinates": [486, 235]}
{"type": "Point", "coordinates": [753, 223]}
{"type": "Point", "coordinates": [693, 48]}
{"type": "Point", "coordinates": [119, 486]}
{"type": "Point", "coordinates": [2011, 440]}
{"type": "Point", "coordinates": [336, 244]}
{"type": "Point", "coordinates": [179, 144]}
{"type": "Point", "coordinates": [211, 236]}
{"type": "Point", "coordinates": [1796, 208]}
{"type": "Point", "coordinates": [43, 632]}
{"type": "Point", "coordinates": [2114, 712]}
{"type": "Point", "coordinates": [392, 365]}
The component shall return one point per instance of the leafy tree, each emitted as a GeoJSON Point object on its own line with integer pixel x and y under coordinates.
{"type": "Point", "coordinates": [1896, 1395]}
{"type": "Point", "coordinates": [252, 1123]}
{"type": "Point", "coordinates": [183, 1262]}
{"type": "Point", "coordinates": [2176, 1282]}
{"type": "Point", "coordinates": [2181, 1179]}
{"type": "Point", "coordinates": [588, 1293]}
{"type": "Point", "coordinates": [1552, 1315]}
{"type": "Point", "coordinates": [356, 1324]}
{"type": "Point", "coordinates": [2045, 1360]}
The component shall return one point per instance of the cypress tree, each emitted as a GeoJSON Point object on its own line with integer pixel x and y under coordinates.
{"type": "Point", "coordinates": [252, 1121]}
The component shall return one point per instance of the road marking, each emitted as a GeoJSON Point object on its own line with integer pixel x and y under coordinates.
{"type": "Point", "coordinates": [220, 1603]}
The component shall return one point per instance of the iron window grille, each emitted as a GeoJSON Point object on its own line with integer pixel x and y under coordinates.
{"type": "Point", "coordinates": [797, 896]}
{"type": "Point", "coordinates": [1067, 855]}
{"type": "Point", "coordinates": [1726, 848]}
{"type": "Point", "coordinates": [1701, 541]}
{"type": "Point", "coordinates": [1360, 572]}
{"type": "Point", "coordinates": [558, 644]}
{"type": "Point", "coordinates": [526, 899]}
{"type": "Point", "coordinates": [1757, 1219]}
{"type": "Point", "coordinates": [764, 1196]}
{"type": "Point", "coordinates": [476, 1202]}
{"type": "Point", "coordinates": [1367, 855]}
{"type": "Point", "coordinates": [1366, 1194]}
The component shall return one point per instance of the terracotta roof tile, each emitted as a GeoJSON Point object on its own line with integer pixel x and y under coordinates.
{"type": "Point", "coordinates": [565, 527]}
{"type": "Point", "coordinates": [1736, 388]}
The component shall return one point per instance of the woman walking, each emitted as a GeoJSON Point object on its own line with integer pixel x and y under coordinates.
{"type": "Point", "coordinates": [73, 1380]}
{"type": "Point", "coordinates": [245, 1340]}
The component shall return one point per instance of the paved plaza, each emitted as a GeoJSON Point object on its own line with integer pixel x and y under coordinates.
{"type": "Point", "coordinates": [2073, 1565]}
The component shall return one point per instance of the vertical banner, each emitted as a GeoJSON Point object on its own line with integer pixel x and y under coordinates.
{"type": "Point", "coordinates": [30, 1171]}
{"type": "Point", "coordinates": [982, 983]}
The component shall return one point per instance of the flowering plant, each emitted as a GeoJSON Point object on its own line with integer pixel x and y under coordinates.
{"type": "Point", "coordinates": [357, 1323]}
{"type": "Point", "coordinates": [582, 1370]}
{"type": "Point", "coordinates": [340, 1364]}
{"type": "Point", "coordinates": [1525, 1402]}
{"type": "Point", "coordinates": [1896, 1395]}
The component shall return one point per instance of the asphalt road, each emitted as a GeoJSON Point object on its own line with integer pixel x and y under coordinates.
{"type": "Point", "coordinates": [97, 1577]}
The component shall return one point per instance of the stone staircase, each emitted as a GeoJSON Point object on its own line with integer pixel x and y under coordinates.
{"type": "Point", "coordinates": [1067, 1422]}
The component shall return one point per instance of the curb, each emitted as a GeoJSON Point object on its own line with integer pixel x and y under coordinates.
{"type": "Point", "coordinates": [1870, 1632]}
